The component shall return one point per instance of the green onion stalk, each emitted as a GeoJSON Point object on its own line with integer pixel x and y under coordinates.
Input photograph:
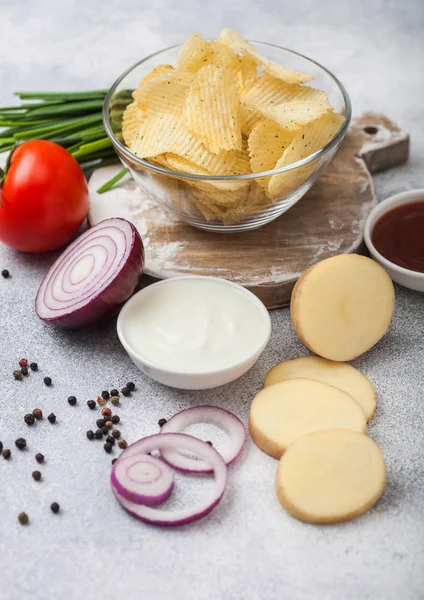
{"type": "Point", "coordinates": [71, 119]}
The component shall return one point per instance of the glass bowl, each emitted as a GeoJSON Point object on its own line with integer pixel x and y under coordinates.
{"type": "Point", "coordinates": [228, 203]}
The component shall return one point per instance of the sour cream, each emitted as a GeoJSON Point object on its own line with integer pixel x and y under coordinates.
{"type": "Point", "coordinates": [194, 325]}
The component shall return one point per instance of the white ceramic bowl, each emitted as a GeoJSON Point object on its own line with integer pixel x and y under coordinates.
{"type": "Point", "coordinates": [187, 380]}
{"type": "Point", "coordinates": [410, 279]}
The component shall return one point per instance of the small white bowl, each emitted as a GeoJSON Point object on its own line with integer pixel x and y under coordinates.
{"type": "Point", "coordinates": [194, 380]}
{"type": "Point", "coordinates": [409, 279]}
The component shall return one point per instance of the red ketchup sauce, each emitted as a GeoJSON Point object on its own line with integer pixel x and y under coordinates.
{"type": "Point", "coordinates": [399, 236]}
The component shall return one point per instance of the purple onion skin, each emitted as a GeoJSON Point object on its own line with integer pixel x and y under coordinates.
{"type": "Point", "coordinates": [103, 307]}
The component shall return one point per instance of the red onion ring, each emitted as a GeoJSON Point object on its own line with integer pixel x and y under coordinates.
{"type": "Point", "coordinates": [172, 518]}
{"type": "Point", "coordinates": [93, 277]}
{"type": "Point", "coordinates": [142, 479]}
{"type": "Point", "coordinates": [212, 415]}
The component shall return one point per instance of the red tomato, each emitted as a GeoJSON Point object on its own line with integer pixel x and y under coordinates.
{"type": "Point", "coordinates": [44, 198]}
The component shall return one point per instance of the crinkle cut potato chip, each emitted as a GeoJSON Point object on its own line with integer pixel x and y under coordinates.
{"type": "Point", "coordinates": [267, 143]}
{"type": "Point", "coordinates": [249, 117]}
{"type": "Point", "coordinates": [212, 111]}
{"type": "Point", "coordinates": [238, 44]}
{"type": "Point", "coordinates": [163, 94]}
{"type": "Point", "coordinates": [268, 91]}
{"type": "Point", "coordinates": [193, 53]}
{"type": "Point", "coordinates": [307, 140]}
{"type": "Point", "coordinates": [131, 120]}
{"type": "Point", "coordinates": [294, 115]}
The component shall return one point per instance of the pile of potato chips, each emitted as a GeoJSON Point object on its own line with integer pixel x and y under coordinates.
{"type": "Point", "coordinates": [225, 110]}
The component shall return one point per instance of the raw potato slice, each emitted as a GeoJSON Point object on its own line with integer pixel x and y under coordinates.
{"type": "Point", "coordinates": [267, 143]}
{"type": "Point", "coordinates": [282, 413]}
{"type": "Point", "coordinates": [330, 476]}
{"type": "Point", "coordinates": [131, 121]}
{"type": "Point", "coordinates": [342, 306]}
{"type": "Point", "coordinates": [340, 375]}
{"type": "Point", "coordinates": [269, 91]}
{"type": "Point", "coordinates": [294, 115]}
{"type": "Point", "coordinates": [238, 44]}
{"type": "Point", "coordinates": [212, 110]}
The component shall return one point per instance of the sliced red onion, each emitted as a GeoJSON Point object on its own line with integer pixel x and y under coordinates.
{"type": "Point", "coordinates": [211, 415]}
{"type": "Point", "coordinates": [93, 277]}
{"type": "Point", "coordinates": [171, 518]}
{"type": "Point", "coordinates": [142, 479]}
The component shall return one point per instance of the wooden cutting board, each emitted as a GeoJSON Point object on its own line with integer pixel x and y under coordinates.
{"type": "Point", "coordinates": [327, 221]}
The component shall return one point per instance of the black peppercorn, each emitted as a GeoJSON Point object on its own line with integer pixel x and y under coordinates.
{"type": "Point", "coordinates": [98, 434]}
{"type": "Point", "coordinates": [23, 518]}
{"type": "Point", "coordinates": [116, 433]}
{"type": "Point", "coordinates": [115, 419]}
{"type": "Point", "coordinates": [33, 366]}
{"type": "Point", "coordinates": [39, 457]}
{"type": "Point", "coordinates": [38, 413]}
{"type": "Point", "coordinates": [5, 273]}
{"type": "Point", "coordinates": [1, 446]}
{"type": "Point", "coordinates": [108, 447]}
{"type": "Point", "coordinates": [122, 444]}
{"type": "Point", "coordinates": [6, 453]}
{"type": "Point", "coordinates": [24, 371]}
{"type": "Point", "coordinates": [210, 443]}
{"type": "Point", "coordinates": [17, 375]}
{"type": "Point", "coordinates": [105, 395]}
{"type": "Point", "coordinates": [36, 475]}
{"type": "Point", "coordinates": [91, 404]}
{"type": "Point", "coordinates": [20, 443]}
{"type": "Point", "coordinates": [47, 380]}
{"type": "Point", "coordinates": [100, 423]}
{"type": "Point", "coordinates": [105, 430]}
{"type": "Point", "coordinates": [114, 392]}
{"type": "Point", "coordinates": [110, 439]}
{"type": "Point", "coordinates": [72, 400]}
{"type": "Point", "coordinates": [161, 422]}
{"type": "Point", "coordinates": [55, 508]}
{"type": "Point", "coordinates": [90, 434]}
{"type": "Point", "coordinates": [29, 419]}
{"type": "Point", "coordinates": [115, 400]}
{"type": "Point", "coordinates": [125, 391]}
{"type": "Point", "coordinates": [52, 418]}
{"type": "Point", "coordinates": [114, 460]}
{"type": "Point", "coordinates": [131, 386]}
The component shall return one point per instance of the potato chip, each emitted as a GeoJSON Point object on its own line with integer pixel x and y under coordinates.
{"type": "Point", "coordinates": [131, 121]}
{"type": "Point", "coordinates": [211, 109]}
{"type": "Point", "coordinates": [267, 143]}
{"type": "Point", "coordinates": [249, 117]}
{"type": "Point", "coordinates": [238, 44]}
{"type": "Point", "coordinates": [307, 140]}
{"type": "Point", "coordinates": [192, 54]}
{"type": "Point", "coordinates": [294, 115]}
{"type": "Point", "coordinates": [166, 92]}
{"type": "Point", "coordinates": [268, 91]}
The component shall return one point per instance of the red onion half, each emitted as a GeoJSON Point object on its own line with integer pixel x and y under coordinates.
{"type": "Point", "coordinates": [93, 277]}
{"type": "Point", "coordinates": [161, 442]}
{"type": "Point", "coordinates": [212, 415]}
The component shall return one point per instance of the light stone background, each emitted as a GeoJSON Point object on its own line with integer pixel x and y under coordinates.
{"type": "Point", "coordinates": [249, 548]}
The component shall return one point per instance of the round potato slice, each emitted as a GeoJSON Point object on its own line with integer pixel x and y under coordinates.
{"type": "Point", "coordinates": [342, 306]}
{"type": "Point", "coordinates": [330, 476]}
{"type": "Point", "coordinates": [340, 375]}
{"type": "Point", "coordinates": [282, 413]}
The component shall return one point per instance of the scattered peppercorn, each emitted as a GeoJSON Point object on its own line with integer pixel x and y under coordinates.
{"type": "Point", "coordinates": [72, 400]}
{"type": "Point", "coordinates": [24, 371]}
{"type": "Point", "coordinates": [122, 444]}
{"type": "Point", "coordinates": [110, 439]}
{"type": "Point", "coordinates": [108, 447]}
{"type": "Point", "coordinates": [23, 518]}
{"type": "Point", "coordinates": [6, 453]}
{"type": "Point", "coordinates": [20, 443]}
{"type": "Point", "coordinates": [116, 433]}
{"type": "Point", "coordinates": [115, 400]}
{"type": "Point", "coordinates": [47, 381]}
{"type": "Point", "coordinates": [114, 392]}
{"type": "Point", "coordinates": [52, 418]}
{"type": "Point", "coordinates": [100, 423]}
{"type": "Point", "coordinates": [1, 446]}
{"type": "Point", "coordinates": [105, 430]}
{"type": "Point", "coordinates": [23, 362]}
{"type": "Point", "coordinates": [90, 434]}
{"type": "Point", "coordinates": [115, 419]}
{"type": "Point", "coordinates": [36, 475]}
{"type": "Point", "coordinates": [98, 434]}
{"type": "Point", "coordinates": [105, 395]}
{"type": "Point", "coordinates": [209, 442]}
{"type": "Point", "coordinates": [5, 273]}
{"type": "Point", "coordinates": [91, 404]}
{"type": "Point", "coordinates": [131, 386]}
{"type": "Point", "coordinates": [114, 460]}
{"type": "Point", "coordinates": [161, 422]}
{"type": "Point", "coordinates": [55, 508]}
{"type": "Point", "coordinates": [33, 366]}
{"type": "Point", "coordinates": [126, 391]}
{"type": "Point", "coordinates": [29, 419]}
{"type": "Point", "coordinates": [109, 424]}
{"type": "Point", "coordinates": [39, 457]}
{"type": "Point", "coordinates": [106, 412]}
{"type": "Point", "coordinates": [17, 375]}
{"type": "Point", "coordinates": [101, 401]}
{"type": "Point", "coordinates": [38, 413]}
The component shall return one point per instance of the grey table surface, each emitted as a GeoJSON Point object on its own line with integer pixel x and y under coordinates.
{"type": "Point", "coordinates": [249, 547]}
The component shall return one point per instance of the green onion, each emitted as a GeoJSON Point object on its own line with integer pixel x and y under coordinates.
{"type": "Point", "coordinates": [109, 184]}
